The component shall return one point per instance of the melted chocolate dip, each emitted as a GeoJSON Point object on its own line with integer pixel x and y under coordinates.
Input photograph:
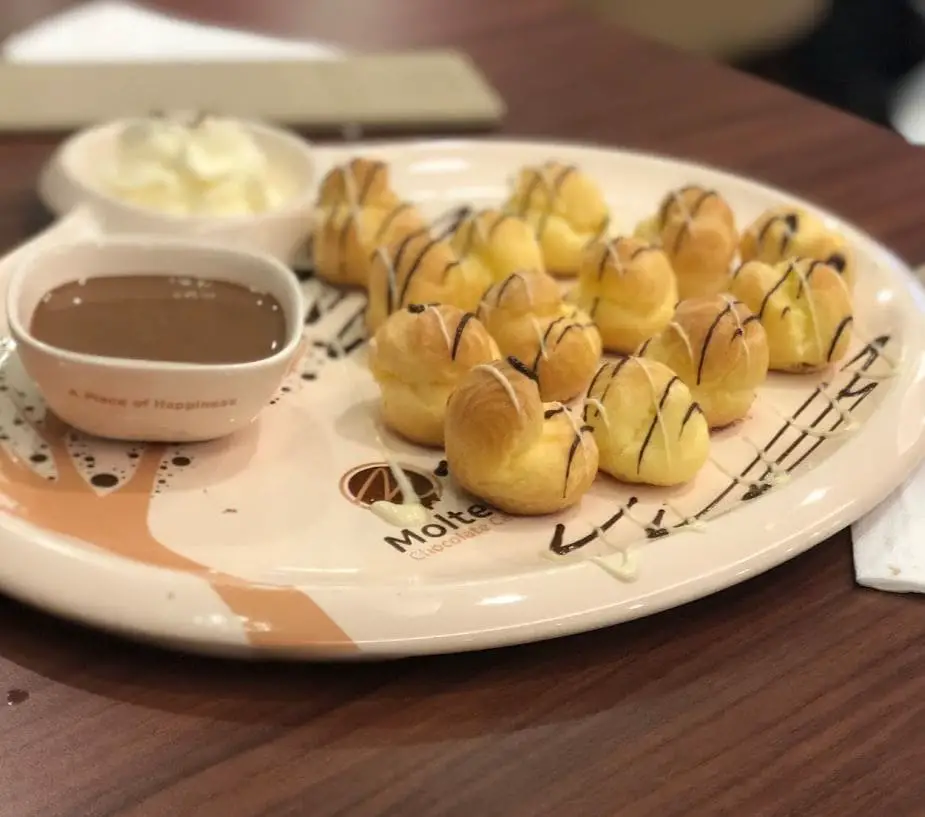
{"type": "Point", "coordinates": [163, 318]}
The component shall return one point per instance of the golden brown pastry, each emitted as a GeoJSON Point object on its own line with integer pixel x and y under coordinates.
{"type": "Point", "coordinates": [418, 356]}
{"type": "Point", "coordinates": [505, 445]}
{"type": "Point", "coordinates": [805, 308]}
{"type": "Point", "coordinates": [500, 243]}
{"type": "Point", "coordinates": [628, 288]}
{"type": "Point", "coordinates": [420, 269]}
{"type": "Point", "coordinates": [647, 426]}
{"type": "Point", "coordinates": [696, 228]}
{"type": "Point", "coordinates": [785, 232]}
{"type": "Point", "coordinates": [357, 211]}
{"type": "Point", "coordinates": [566, 209]}
{"type": "Point", "coordinates": [717, 346]}
{"type": "Point", "coordinates": [526, 314]}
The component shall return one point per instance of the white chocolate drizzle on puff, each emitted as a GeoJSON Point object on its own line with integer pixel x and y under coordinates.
{"type": "Point", "coordinates": [696, 228]}
{"type": "Point", "coordinates": [496, 242]}
{"type": "Point", "coordinates": [722, 355]}
{"type": "Point", "coordinates": [418, 269]}
{"type": "Point", "coordinates": [355, 216]}
{"type": "Point", "coordinates": [629, 290]}
{"type": "Point", "coordinates": [654, 432]}
{"type": "Point", "coordinates": [417, 358]}
{"type": "Point", "coordinates": [505, 445]}
{"type": "Point", "coordinates": [785, 232]}
{"type": "Point", "coordinates": [528, 317]}
{"type": "Point", "coordinates": [805, 308]}
{"type": "Point", "coordinates": [505, 383]}
{"type": "Point", "coordinates": [565, 208]}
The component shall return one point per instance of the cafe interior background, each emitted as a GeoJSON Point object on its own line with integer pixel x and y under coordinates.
{"type": "Point", "coordinates": [866, 57]}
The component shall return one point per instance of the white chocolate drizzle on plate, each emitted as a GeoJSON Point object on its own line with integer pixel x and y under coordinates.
{"type": "Point", "coordinates": [846, 426]}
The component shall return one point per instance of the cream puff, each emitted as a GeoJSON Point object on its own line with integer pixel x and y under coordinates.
{"type": "Point", "coordinates": [420, 269]}
{"type": "Point", "coordinates": [357, 211]}
{"type": "Point", "coordinates": [646, 423]}
{"type": "Point", "coordinates": [785, 232]}
{"type": "Point", "coordinates": [696, 228]}
{"type": "Point", "coordinates": [500, 243]}
{"type": "Point", "coordinates": [566, 209]}
{"type": "Point", "coordinates": [805, 308]}
{"type": "Point", "coordinates": [628, 289]}
{"type": "Point", "coordinates": [718, 347]}
{"type": "Point", "coordinates": [417, 357]}
{"type": "Point", "coordinates": [504, 445]}
{"type": "Point", "coordinates": [527, 316]}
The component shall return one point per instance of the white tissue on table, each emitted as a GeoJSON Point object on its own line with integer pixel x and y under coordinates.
{"type": "Point", "coordinates": [115, 31]}
{"type": "Point", "coordinates": [889, 543]}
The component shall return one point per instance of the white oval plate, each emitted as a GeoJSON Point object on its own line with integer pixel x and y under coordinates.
{"type": "Point", "coordinates": [261, 545]}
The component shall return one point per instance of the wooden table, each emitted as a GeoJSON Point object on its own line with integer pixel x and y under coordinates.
{"type": "Point", "coordinates": [793, 694]}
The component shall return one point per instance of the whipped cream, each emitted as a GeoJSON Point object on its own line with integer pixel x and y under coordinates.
{"type": "Point", "coordinates": [205, 167]}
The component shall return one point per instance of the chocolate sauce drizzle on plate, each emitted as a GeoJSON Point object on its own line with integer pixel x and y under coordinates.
{"type": "Point", "coordinates": [560, 547]}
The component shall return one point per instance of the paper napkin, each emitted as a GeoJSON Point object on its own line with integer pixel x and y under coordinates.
{"type": "Point", "coordinates": [112, 30]}
{"type": "Point", "coordinates": [889, 543]}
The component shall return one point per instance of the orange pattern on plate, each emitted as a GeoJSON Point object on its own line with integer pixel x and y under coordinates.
{"type": "Point", "coordinates": [118, 523]}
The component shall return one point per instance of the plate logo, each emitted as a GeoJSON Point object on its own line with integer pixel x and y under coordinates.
{"type": "Point", "coordinates": [375, 482]}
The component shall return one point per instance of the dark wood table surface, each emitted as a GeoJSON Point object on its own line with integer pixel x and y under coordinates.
{"type": "Point", "coordinates": [796, 693]}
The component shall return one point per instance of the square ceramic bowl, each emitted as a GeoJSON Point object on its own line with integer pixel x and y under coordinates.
{"type": "Point", "coordinates": [149, 400]}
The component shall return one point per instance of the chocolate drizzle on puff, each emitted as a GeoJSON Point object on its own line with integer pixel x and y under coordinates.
{"type": "Point", "coordinates": [704, 347]}
{"type": "Point", "coordinates": [656, 418]}
{"type": "Point", "coordinates": [458, 336]}
{"type": "Point", "coordinates": [676, 198]}
{"type": "Point", "coordinates": [641, 407]}
{"type": "Point", "coordinates": [522, 368]}
{"type": "Point", "coordinates": [573, 449]}
{"type": "Point", "coordinates": [840, 330]}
